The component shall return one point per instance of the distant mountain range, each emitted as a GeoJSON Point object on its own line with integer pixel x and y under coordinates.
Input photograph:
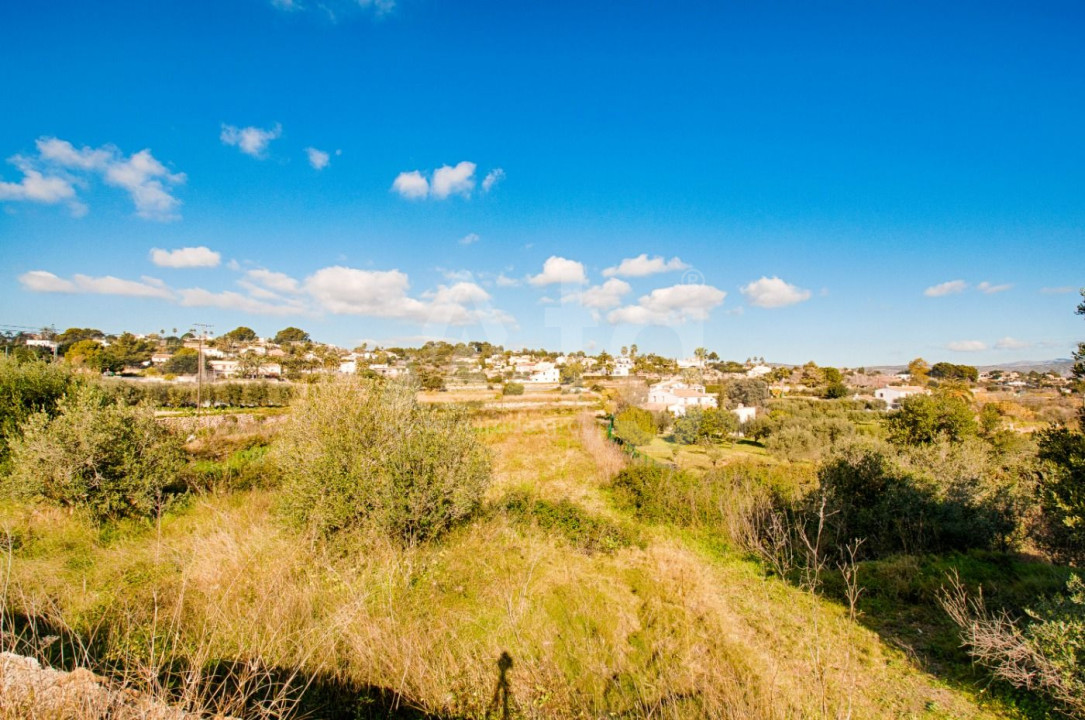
{"type": "Point", "coordinates": [1062, 366]}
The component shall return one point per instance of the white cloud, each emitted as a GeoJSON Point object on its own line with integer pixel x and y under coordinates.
{"type": "Point", "coordinates": [276, 281]}
{"type": "Point", "coordinates": [36, 187]}
{"type": "Point", "coordinates": [642, 266]}
{"type": "Point", "coordinates": [187, 257]}
{"type": "Point", "coordinates": [1009, 343]}
{"type": "Point", "coordinates": [772, 292]}
{"type": "Point", "coordinates": [411, 185]}
{"type": "Point", "coordinates": [492, 178]}
{"type": "Point", "coordinates": [560, 270]}
{"type": "Point", "coordinates": [453, 180]}
{"type": "Point", "coordinates": [229, 300]}
{"type": "Point", "coordinates": [52, 176]}
{"type": "Point", "coordinates": [250, 140]}
{"type": "Point", "coordinates": [317, 158]}
{"type": "Point", "coordinates": [967, 346]}
{"type": "Point", "coordinates": [601, 297]}
{"type": "Point", "coordinates": [1062, 290]}
{"type": "Point", "coordinates": [447, 180]}
{"type": "Point", "coordinates": [383, 293]}
{"type": "Point", "coordinates": [505, 281]}
{"type": "Point", "coordinates": [670, 306]}
{"type": "Point", "coordinates": [988, 289]}
{"type": "Point", "coordinates": [469, 239]}
{"type": "Point", "coordinates": [42, 281]}
{"type": "Point", "coordinates": [457, 275]}
{"type": "Point", "coordinates": [947, 288]}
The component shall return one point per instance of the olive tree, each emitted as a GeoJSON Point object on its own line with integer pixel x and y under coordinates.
{"type": "Point", "coordinates": [358, 454]}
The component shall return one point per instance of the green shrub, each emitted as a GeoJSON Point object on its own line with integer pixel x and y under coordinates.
{"type": "Point", "coordinates": [915, 505]}
{"type": "Point", "coordinates": [583, 530]}
{"type": "Point", "coordinates": [923, 419]}
{"type": "Point", "coordinates": [634, 426]}
{"type": "Point", "coordinates": [358, 454]}
{"type": "Point", "coordinates": [513, 388]}
{"type": "Point", "coordinates": [114, 459]}
{"type": "Point", "coordinates": [1062, 494]}
{"type": "Point", "coordinates": [27, 387]}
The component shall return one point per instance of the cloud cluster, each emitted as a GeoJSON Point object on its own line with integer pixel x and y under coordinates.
{"type": "Point", "coordinates": [967, 346]}
{"type": "Point", "coordinates": [955, 287]}
{"type": "Point", "coordinates": [559, 270]}
{"type": "Point", "coordinates": [252, 141]}
{"type": "Point", "coordinates": [187, 257]}
{"type": "Point", "coordinates": [337, 290]}
{"type": "Point", "coordinates": [601, 297]}
{"type": "Point", "coordinates": [147, 287]}
{"type": "Point", "coordinates": [444, 182]}
{"type": "Point", "coordinates": [642, 266]}
{"type": "Point", "coordinates": [670, 306]}
{"type": "Point", "coordinates": [51, 177]}
{"type": "Point", "coordinates": [772, 292]}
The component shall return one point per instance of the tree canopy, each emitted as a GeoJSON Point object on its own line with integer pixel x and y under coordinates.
{"type": "Point", "coordinates": [291, 335]}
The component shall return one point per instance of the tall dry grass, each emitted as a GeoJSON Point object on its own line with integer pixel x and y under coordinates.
{"type": "Point", "coordinates": [673, 629]}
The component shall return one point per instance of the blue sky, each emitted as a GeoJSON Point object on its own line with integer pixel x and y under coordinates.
{"type": "Point", "coordinates": [853, 183]}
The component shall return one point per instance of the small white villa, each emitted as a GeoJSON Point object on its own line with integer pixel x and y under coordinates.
{"type": "Point", "coordinates": [677, 396]}
{"type": "Point", "coordinates": [893, 394]}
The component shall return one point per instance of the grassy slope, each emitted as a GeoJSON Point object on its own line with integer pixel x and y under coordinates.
{"type": "Point", "coordinates": [669, 626]}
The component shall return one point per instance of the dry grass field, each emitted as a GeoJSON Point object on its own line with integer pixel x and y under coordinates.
{"type": "Point", "coordinates": [512, 610]}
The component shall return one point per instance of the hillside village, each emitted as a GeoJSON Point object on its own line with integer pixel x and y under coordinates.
{"type": "Point", "coordinates": [666, 385]}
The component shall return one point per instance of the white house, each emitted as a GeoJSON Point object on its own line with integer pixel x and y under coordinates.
{"type": "Point", "coordinates": [677, 396]}
{"type": "Point", "coordinates": [744, 414]}
{"type": "Point", "coordinates": [623, 367]}
{"type": "Point", "coordinates": [543, 374]}
{"type": "Point", "coordinates": [892, 395]}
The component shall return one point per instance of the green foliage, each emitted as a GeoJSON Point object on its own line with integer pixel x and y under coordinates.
{"type": "Point", "coordinates": [89, 354]}
{"type": "Point", "coordinates": [950, 371]}
{"type": "Point", "coordinates": [750, 392]}
{"type": "Point", "coordinates": [513, 388]}
{"type": "Point", "coordinates": [244, 469]}
{"type": "Point", "coordinates": [1055, 633]}
{"type": "Point", "coordinates": [26, 388]}
{"type": "Point", "coordinates": [722, 501]}
{"type": "Point", "coordinates": [936, 501]}
{"type": "Point", "coordinates": [709, 424]}
{"type": "Point", "coordinates": [1061, 485]}
{"type": "Point", "coordinates": [634, 426]}
{"type": "Point", "coordinates": [923, 419]}
{"type": "Point", "coordinates": [587, 532]}
{"type": "Point", "coordinates": [240, 334]}
{"type": "Point", "coordinates": [835, 391]}
{"type": "Point", "coordinates": [128, 351]}
{"type": "Point", "coordinates": [185, 361]}
{"type": "Point", "coordinates": [431, 379]}
{"type": "Point", "coordinates": [362, 455]}
{"type": "Point", "coordinates": [114, 459]}
{"type": "Point", "coordinates": [291, 335]}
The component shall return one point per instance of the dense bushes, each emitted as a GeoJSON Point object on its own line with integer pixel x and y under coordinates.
{"type": "Point", "coordinates": [923, 419]}
{"type": "Point", "coordinates": [181, 395]}
{"type": "Point", "coordinates": [513, 388]}
{"type": "Point", "coordinates": [27, 387]}
{"type": "Point", "coordinates": [704, 425]}
{"type": "Point", "coordinates": [111, 458]}
{"type": "Point", "coordinates": [944, 499]}
{"type": "Point", "coordinates": [634, 426]}
{"type": "Point", "coordinates": [1062, 494]}
{"type": "Point", "coordinates": [358, 454]}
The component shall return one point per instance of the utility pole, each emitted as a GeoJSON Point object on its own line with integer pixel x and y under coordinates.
{"type": "Point", "coordinates": [203, 328]}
